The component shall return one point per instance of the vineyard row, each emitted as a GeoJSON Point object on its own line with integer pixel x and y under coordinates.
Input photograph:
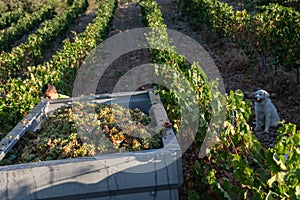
{"type": "Point", "coordinates": [10, 17]}
{"type": "Point", "coordinates": [25, 24]}
{"type": "Point", "coordinates": [272, 32]}
{"type": "Point", "coordinates": [14, 63]}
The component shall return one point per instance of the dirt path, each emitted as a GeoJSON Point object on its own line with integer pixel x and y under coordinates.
{"type": "Point", "coordinates": [126, 17]}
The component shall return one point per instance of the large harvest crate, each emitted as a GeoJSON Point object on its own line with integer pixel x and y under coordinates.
{"type": "Point", "coordinates": [148, 174]}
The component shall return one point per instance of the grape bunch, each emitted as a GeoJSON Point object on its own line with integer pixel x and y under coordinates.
{"type": "Point", "coordinates": [86, 130]}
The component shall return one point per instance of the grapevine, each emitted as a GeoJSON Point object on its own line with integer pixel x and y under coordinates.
{"type": "Point", "coordinates": [24, 25]}
{"type": "Point", "coordinates": [10, 17]}
{"type": "Point", "coordinates": [273, 31]}
{"type": "Point", "coordinates": [30, 52]}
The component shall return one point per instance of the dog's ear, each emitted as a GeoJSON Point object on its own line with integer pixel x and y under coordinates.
{"type": "Point", "coordinates": [266, 94]}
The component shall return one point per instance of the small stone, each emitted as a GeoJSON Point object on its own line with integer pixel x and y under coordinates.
{"type": "Point", "coordinates": [133, 58]}
{"type": "Point", "coordinates": [271, 145]}
{"type": "Point", "coordinates": [267, 140]}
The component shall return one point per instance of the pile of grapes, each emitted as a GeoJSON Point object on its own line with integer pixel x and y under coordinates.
{"type": "Point", "coordinates": [86, 130]}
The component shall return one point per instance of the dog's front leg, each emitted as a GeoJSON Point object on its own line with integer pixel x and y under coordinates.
{"type": "Point", "coordinates": [258, 124]}
{"type": "Point", "coordinates": [267, 124]}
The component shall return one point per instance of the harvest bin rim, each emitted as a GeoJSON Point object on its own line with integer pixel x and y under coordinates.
{"type": "Point", "coordinates": [138, 174]}
{"type": "Point", "coordinates": [45, 108]}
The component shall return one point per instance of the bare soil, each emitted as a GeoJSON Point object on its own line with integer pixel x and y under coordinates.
{"type": "Point", "coordinates": [126, 17]}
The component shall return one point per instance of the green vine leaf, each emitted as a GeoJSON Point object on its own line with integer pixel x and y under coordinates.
{"type": "Point", "coordinates": [279, 177]}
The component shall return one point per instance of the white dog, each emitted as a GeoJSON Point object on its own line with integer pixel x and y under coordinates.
{"type": "Point", "coordinates": [266, 113]}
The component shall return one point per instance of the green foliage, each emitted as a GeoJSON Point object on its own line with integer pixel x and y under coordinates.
{"type": "Point", "coordinates": [288, 3]}
{"type": "Point", "coordinates": [14, 64]}
{"type": "Point", "coordinates": [239, 167]}
{"type": "Point", "coordinates": [284, 163]}
{"type": "Point", "coordinates": [24, 25]}
{"type": "Point", "coordinates": [278, 30]}
{"type": "Point", "coordinates": [26, 5]}
{"type": "Point", "coordinates": [275, 31]}
{"type": "Point", "coordinates": [10, 17]}
{"type": "Point", "coordinates": [152, 16]}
